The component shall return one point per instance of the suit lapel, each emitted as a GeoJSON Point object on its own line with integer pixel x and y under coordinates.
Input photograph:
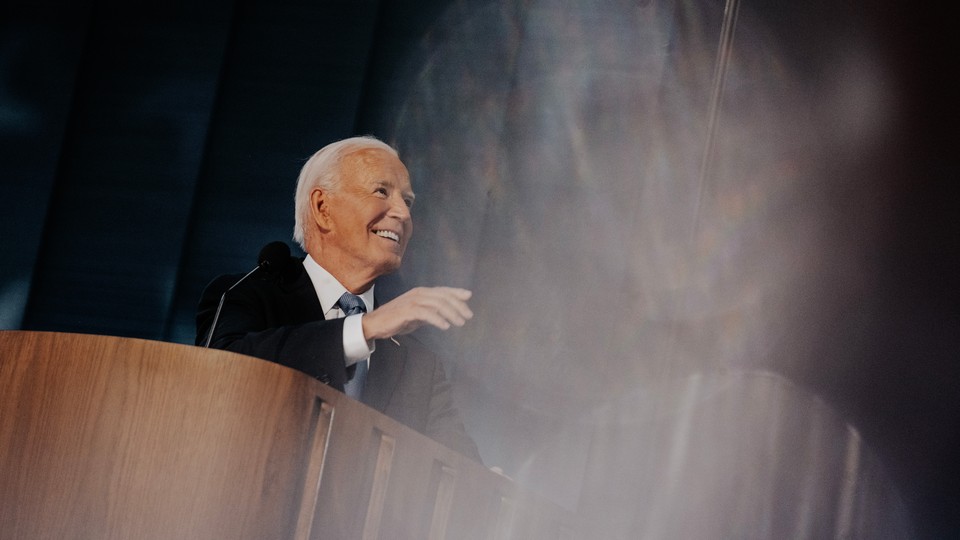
{"type": "Point", "coordinates": [297, 284]}
{"type": "Point", "coordinates": [387, 362]}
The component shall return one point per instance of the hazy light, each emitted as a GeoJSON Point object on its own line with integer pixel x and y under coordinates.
{"type": "Point", "coordinates": [637, 328]}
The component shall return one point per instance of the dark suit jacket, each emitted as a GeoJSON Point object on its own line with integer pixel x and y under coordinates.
{"type": "Point", "coordinates": [279, 318]}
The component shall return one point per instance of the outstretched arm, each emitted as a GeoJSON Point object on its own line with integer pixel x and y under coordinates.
{"type": "Point", "coordinates": [441, 307]}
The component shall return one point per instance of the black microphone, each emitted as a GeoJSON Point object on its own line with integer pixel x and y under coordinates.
{"type": "Point", "coordinates": [274, 257]}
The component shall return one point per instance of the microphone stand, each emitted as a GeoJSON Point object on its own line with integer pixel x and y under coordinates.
{"type": "Point", "coordinates": [273, 259]}
{"type": "Point", "coordinates": [223, 296]}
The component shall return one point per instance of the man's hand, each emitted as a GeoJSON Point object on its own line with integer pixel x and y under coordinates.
{"type": "Point", "coordinates": [437, 306]}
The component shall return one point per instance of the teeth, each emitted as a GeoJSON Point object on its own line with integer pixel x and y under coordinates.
{"type": "Point", "coordinates": [388, 234]}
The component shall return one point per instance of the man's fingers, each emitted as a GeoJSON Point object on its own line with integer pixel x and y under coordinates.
{"type": "Point", "coordinates": [443, 312]}
{"type": "Point", "coordinates": [461, 294]}
{"type": "Point", "coordinates": [450, 304]}
{"type": "Point", "coordinates": [441, 307]}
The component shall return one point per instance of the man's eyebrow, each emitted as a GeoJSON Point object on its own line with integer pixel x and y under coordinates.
{"type": "Point", "coordinates": [386, 183]}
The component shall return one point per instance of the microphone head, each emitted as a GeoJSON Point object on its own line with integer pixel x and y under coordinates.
{"type": "Point", "coordinates": [274, 257]}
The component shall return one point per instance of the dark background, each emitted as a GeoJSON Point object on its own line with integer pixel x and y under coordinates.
{"type": "Point", "coordinates": [144, 150]}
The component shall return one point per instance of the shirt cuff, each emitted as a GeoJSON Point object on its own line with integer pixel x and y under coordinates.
{"type": "Point", "coordinates": [355, 348]}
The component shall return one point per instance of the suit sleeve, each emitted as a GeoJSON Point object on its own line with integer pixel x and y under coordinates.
{"type": "Point", "coordinates": [256, 321]}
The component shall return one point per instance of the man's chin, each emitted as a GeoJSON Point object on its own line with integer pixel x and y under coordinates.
{"type": "Point", "coordinates": [389, 266]}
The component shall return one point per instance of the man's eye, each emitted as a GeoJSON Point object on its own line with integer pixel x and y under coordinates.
{"type": "Point", "coordinates": [409, 202]}
{"type": "Point", "coordinates": [381, 191]}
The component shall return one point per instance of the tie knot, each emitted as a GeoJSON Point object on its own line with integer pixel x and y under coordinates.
{"type": "Point", "coordinates": [351, 304]}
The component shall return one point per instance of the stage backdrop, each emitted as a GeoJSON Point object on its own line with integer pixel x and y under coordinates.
{"type": "Point", "coordinates": [659, 205]}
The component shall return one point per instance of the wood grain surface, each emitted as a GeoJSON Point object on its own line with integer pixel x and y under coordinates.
{"type": "Point", "coordinates": [106, 437]}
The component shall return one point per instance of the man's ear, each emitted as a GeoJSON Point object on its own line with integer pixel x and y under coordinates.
{"type": "Point", "coordinates": [320, 208]}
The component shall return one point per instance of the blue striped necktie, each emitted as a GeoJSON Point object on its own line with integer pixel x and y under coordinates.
{"type": "Point", "coordinates": [352, 304]}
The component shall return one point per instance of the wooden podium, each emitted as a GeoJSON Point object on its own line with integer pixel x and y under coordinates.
{"type": "Point", "coordinates": [107, 437]}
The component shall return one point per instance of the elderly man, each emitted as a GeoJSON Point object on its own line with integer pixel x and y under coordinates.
{"type": "Point", "coordinates": [320, 316]}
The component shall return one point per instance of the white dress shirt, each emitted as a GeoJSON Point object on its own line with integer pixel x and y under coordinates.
{"type": "Point", "coordinates": [329, 291]}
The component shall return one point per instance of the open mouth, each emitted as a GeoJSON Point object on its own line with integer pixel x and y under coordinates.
{"type": "Point", "coordinates": [388, 234]}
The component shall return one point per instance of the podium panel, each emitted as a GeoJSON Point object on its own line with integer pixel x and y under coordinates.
{"type": "Point", "coordinates": [106, 437]}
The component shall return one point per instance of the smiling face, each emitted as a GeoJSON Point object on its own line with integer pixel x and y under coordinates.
{"type": "Point", "coordinates": [365, 222]}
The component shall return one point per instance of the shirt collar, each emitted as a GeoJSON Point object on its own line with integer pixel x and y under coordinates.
{"type": "Point", "coordinates": [329, 290]}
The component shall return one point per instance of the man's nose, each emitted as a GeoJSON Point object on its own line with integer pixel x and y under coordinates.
{"type": "Point", "coordinates": [399, 208]}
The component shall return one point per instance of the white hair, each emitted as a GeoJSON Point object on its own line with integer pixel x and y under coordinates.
{"type": "Point", "coordinates": [322, 171]}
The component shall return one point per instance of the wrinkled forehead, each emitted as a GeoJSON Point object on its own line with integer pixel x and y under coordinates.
{"type": "Point", "coordinates": [373, 165]}
{"type": "Point", "coordinates": [371, 155]}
